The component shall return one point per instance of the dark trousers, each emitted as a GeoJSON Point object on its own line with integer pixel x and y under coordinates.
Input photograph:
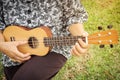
{"type": "Point", "coordinates": [37, 68]}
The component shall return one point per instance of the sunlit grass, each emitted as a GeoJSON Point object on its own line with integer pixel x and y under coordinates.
{"type": "Point", "coordinates": [98, 64]}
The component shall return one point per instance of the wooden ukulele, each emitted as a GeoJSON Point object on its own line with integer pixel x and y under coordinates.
{"type": "Point", "coordinates": [40, 39]}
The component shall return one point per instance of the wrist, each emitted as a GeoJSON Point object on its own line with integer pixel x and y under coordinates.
{"type": "Point", "coordinates": [76, 29]}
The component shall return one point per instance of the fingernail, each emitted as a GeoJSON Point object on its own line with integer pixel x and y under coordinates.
{"type": "Point", "coordinates": [76, 44]}
{"type": "Point", "coordinates": [83, 34]}
{"type": "Point", "coordinates": [79, 39]}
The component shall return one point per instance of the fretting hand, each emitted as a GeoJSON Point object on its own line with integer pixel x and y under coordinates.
{"type": "Point", "coordinates": [80, 47]}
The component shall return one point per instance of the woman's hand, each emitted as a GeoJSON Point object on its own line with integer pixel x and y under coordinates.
{"type": "Point", "coordinates": [10, 49]}
{"type": "Point", "coordinates": [80, 47]}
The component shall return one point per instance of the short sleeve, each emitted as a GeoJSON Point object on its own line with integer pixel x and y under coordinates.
{"type": "Point", "coordinates": [2, 24]}
{"type": "Point", "coordinates": [74, 12]}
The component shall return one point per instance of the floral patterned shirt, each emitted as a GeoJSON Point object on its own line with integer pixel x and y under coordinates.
{"type": "Point", "coordinates": [56, 14]}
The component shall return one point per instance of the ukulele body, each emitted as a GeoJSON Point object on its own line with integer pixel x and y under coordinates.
{"type": "Point", "coordinates": [34, 37]}
{"type": "Point", "coordinates": [40, 40]}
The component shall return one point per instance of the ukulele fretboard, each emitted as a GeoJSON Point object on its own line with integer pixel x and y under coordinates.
{"type": "Point", "coordinates": [62, 41]}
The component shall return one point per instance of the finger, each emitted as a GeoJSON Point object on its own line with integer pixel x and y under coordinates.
{"type": "Point", "coordinates": [19, 59]}
{"type": "Point", "coordinates": [83, 44]}
{"type": "Point", "coordinates": [79, 49]}
{"type": "Point", "coordinates": [20, 42]}
{"type": "Point", "coordinates": [22, 59]}
{"type": "Point", "coordinates": [13, 60]}
{"type": "Point", "coordinates": [16, 61]}
{"type": "Point", "coordinates": [22, 55]}
{"type": "Point", "coordinates": [74, 52]}
{"type": "Point", "coordinates": [85, 34]}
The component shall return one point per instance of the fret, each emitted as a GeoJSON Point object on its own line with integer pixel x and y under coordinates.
{"type": "Point", "coordinates": [56, 41]}
{"type": "Point", "coordinates": [46, 41]}
{"type": "Point", "coordinates": [50, 41]}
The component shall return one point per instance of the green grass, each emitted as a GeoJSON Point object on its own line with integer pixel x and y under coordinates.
{"type": "Point", "coordinates": [1, 71]}
{"type": "Point", "coordinates": [98, 64]}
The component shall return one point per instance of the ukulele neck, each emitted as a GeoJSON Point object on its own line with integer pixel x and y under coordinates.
{"type": "Point", "coordinates": [62, 41]}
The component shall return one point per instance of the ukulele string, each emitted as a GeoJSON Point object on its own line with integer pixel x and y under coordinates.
{"type": "Point", "coordinates": [50, 43]}
{"type": "Point", "coordinates": [58, 41]}
{"type": "Point", "coordinates": [89, 38]}
{"type": "Point", "coordinates": [64, 42]}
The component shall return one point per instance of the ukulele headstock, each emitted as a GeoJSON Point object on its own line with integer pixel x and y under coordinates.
{"type": "Point", "coordinates": [104, 37]}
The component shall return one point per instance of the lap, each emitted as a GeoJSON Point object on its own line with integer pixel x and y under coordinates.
{"type": "Point", "coordinates": [40, 68]}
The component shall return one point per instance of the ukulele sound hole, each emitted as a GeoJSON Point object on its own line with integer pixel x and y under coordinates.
{"type": "Point", "coordinates": [33, 42]}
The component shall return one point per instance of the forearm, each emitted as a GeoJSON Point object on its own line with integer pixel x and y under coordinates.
{"type": "Point", "coordinates": [76, 29]}
{"type": "Point", "coordinates": [1, 36]}
{"type": "Point", "coordinates": [1, 40]}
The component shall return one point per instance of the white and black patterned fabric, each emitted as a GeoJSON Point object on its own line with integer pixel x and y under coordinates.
{"type": "Point", "coordinates": [56, 14]}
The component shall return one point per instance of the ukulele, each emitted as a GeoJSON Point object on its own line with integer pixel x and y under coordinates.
{"type": "Point", "coordinates": [40, 40]}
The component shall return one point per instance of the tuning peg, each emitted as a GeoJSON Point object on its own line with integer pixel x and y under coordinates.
{"type": "Point", "coordinates": [102, 46]}
{"type": "Point", "coordinates": [99, 27]}
{"type": "Point", "coordinates": [111, 45]}
{"type": "Point", "coordinates": [109, 26]}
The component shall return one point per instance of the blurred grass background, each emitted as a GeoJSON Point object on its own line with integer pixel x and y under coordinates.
{"type": "Point", "coordinates": [98, 64]}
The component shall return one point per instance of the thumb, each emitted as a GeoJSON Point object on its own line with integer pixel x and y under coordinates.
{"type": "Point", "coordinates": [85, 34]}
{"type": "Point", "coordinates": [20, 42]}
